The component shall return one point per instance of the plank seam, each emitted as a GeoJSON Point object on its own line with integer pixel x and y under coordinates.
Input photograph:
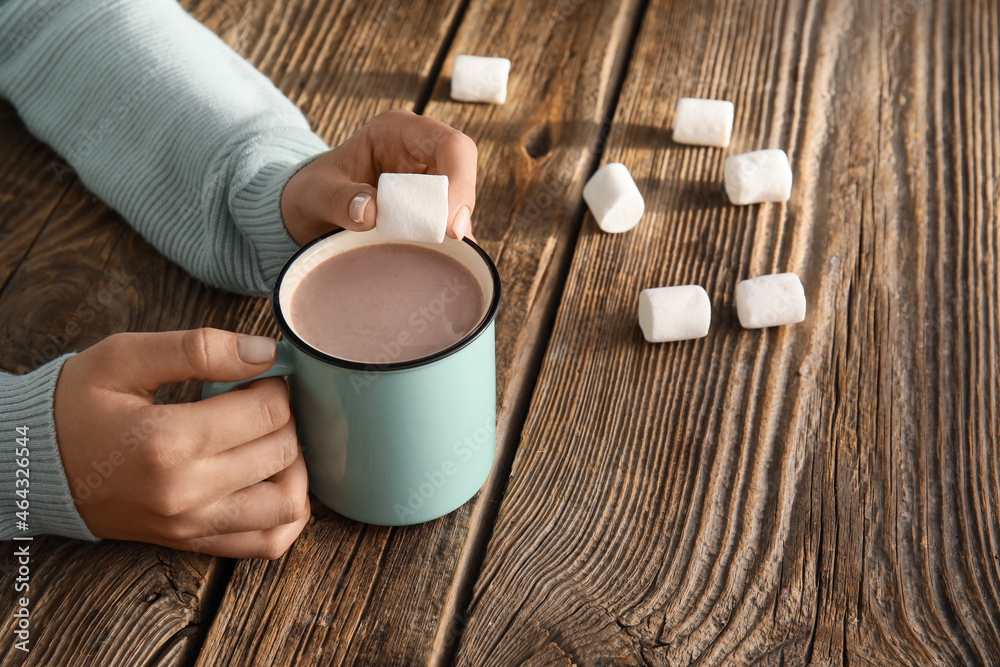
{"type": "Point", "coordinates": [55, 207]}
{"type": "Point", "coordinates": [215, 590]}
{"type": "Point", "coordinates": [434, 74]}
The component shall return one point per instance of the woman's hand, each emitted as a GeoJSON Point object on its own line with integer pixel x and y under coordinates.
{"type": "Point", "coordinates": [223, 476]}
{"type": "Point", "coordinates": [337, 189]}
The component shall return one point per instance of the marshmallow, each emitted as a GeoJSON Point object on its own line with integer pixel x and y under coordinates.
{"type": "Point", "coordinates": [703, 122]}
{"type": "Point", "coordinates": [479, 79]}
{"type": "Point", "coordinates": [674, 313]}
{"type": "Point", "coordinates": [412, 207]}
{"type": "Point", "coordinates": [770, 301]}
{"type": "Point", "coordinates": [613, 198]}
{"type": "Point", "coordinates": [759, 176]}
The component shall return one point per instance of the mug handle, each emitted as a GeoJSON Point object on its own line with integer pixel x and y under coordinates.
{"type": "Point", "coordinates": [284, 364]}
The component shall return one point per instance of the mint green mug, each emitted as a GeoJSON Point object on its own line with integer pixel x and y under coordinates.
{"type": "Point", "coordinates": [390, 443]}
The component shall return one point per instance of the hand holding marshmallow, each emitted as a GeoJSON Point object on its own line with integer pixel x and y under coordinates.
{"type": "Point", "coordinates": [337, 189]}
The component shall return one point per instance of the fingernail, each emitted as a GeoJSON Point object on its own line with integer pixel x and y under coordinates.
{"type": "Point", "coordinates": [463, 223]}
{"type": "Point", "coordinates": [256, 349]}
{"type": "Point", "coordinates": [358, 205]}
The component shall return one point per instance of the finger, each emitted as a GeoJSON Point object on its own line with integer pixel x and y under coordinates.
{"type": "Point", "coordinates": [144, 361]}
{"type": "Point", "coordinates": [252, 462]}
{"type": "Point", "coordinates": [456, 158]}
{"type": "Point", "coordinates": [263, 505]}
{"type": "Point", "coordinates": [269, 544]}
{"type": "Point", "coordinates": [220, 423]}
{"type": "Point", "coordinates": [186, 438]}
{"type": "Point", "coordinates": [346, 203]}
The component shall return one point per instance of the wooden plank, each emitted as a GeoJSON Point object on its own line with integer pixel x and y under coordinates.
{"type": "Point", "coordinates": [822, 493]}
{"type": "Point", "coordinates": [316, 52]}
{"type": "Point", "coordinates": [347, 595]}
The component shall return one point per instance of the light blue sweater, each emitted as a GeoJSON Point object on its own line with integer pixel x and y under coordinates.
{"type": "Point", "coordinates": [179, 134]}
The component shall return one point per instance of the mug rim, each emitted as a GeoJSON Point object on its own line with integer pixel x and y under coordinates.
{"type": "Point", "coordinates": [290, 335]}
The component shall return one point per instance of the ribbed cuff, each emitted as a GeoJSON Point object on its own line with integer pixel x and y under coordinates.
{"type": "Point", "coordinates": [257, 211]}
{"type": "Point", "coordinates": [26, 402]}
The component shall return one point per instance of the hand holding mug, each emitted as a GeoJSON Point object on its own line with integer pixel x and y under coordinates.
{"type": "Point", "coordinates": [223, 476]}
{"type": "Point", "coordinates": [337, 189]}
{"type": "Point", "coordinates": [380, 444]}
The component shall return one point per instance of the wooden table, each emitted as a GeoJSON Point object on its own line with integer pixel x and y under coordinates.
{"type": "Point", "coordinates": [825, 493]}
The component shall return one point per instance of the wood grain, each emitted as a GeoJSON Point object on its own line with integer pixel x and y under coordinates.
{"type": "Point", "coordinates": [392, 596]}
{"type": "Point", "coordinates": [82, 613]}
{"type": "Point", "coordinates": [823, 493]}
{"type": "Point", "coordinates": [59, 299]}
{"type": "Point", "coordinates": [32, 181]}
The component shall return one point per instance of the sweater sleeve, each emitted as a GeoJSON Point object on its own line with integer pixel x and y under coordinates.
{"type": "Point", "coordinates": [28, 436]}
{"type": "Point", "coordinates": [164, 122]}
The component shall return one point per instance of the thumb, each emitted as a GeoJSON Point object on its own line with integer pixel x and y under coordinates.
{"type": "Point", "coordinates": [351, 205]}
{"type": "Point", "coordinates": [152, 359]}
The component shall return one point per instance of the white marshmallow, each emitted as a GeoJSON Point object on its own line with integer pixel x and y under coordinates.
{"type": "Point", "coordinates": [479, 79]}
{"type": "Point", "coordinates": [770, 301]}
{"type": "Point", "coordinates": [703, 122]}
{"type": "Point", "coordinates": [613, 198]}
{"type": "Point", "coordinates": [412, 207]}
{"type": "Point", "coordinates": [674, 313]}
{"type": "Point", "coordinates": [758, 176]}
